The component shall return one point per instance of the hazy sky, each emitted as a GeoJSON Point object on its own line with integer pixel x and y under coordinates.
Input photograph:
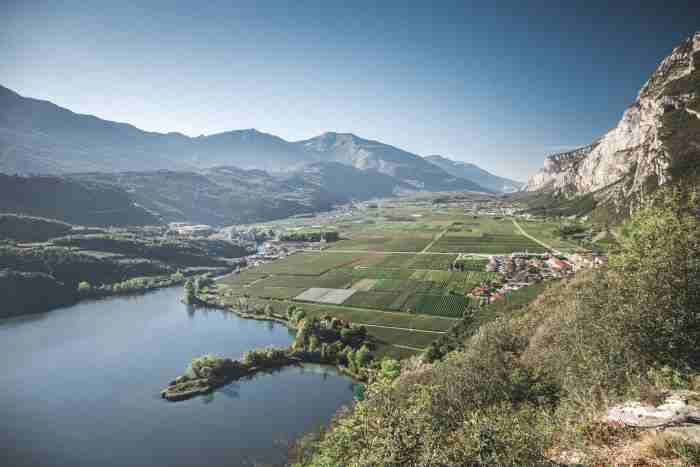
{"type": "Point", "coordinates": [499, 85]}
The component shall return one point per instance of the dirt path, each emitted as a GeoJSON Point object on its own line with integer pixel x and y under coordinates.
{"type": "Point", "coordinates": [481, 255]}
{"type": "Point", "coordinates": [430, 245]}
{"type": "Point", "coordinates": [534, 239]}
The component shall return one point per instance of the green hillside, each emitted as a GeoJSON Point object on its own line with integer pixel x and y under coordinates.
{"type": "Point", "coordinates": [534, 382]}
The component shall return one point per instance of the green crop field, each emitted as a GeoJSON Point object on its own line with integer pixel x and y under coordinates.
{"type": "Point", "coordinates": [490, 244]}
{"type": "Point", "coordinates": [377, 300]}
{"type": "Point", "coordinates": [428, 261]}
{"type": "Point", "coordinates": [386, 260]}
{"type": "Point", "coordinates": [381, 318]}
{"type": "Point", "coordinates": [399, 336]}
{"type": "Point", "coordinates": [243, 278]}
{"type": "Point", "coordinates": [335, 279]}
{"type": "Point", "coordinates": [407, 243]}
{"type": "Point", "coordinates": [273, 292]}
{"type": "Point", "coordinates": [402, 285]}
{"type": "Point", "coordinates": [440, 305]}
{"type": "Point", "coordinates": [472, 264]}
{"type": "Point", "coordinates": [379, 273]}
{"type": "Point", "coordinates": [546, 231]}
{"type": "Point", "coordinates": [309, 264]}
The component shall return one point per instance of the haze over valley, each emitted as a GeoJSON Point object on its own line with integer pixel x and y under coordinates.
{"type": "Point", "coordinates": [461, 234]}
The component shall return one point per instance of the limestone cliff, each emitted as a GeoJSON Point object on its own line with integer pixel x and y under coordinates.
{"type": "Point", "coordinates": [656, 138]}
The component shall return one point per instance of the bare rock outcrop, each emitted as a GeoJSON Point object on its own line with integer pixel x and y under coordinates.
{"type": "Point", "coordinates": [631, 160]}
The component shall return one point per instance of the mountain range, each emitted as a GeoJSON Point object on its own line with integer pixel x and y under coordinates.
{"type": "Point", "coordinates": [473, 172]}
{"type": "Point", "coordinates": [39, 137]}
{"type": "Point", "coordinates": [657, 142]}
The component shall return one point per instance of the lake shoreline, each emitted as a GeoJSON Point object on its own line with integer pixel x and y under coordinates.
{"type": "Point", "coordinates": [225, 370]}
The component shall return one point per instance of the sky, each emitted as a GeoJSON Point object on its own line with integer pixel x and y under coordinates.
{"type": "Point", "coordinates": [500, 84]}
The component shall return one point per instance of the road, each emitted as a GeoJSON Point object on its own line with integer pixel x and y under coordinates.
{"type": "Point", "coordinates": [481, 255]}
{"type": "Point", "coordinates": [437, 237]}
{"type": "Point", "coordinates": [556, 252]}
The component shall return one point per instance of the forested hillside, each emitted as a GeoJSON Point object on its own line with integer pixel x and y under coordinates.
{"type": "Point", "coordinates": [75, 202]}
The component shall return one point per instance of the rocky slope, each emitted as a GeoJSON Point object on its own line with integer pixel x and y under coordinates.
{"type": "Point", "coordinates": [656, 141]}
{"type": "Point", "coordinates": [368, 155]}
{"type": "Point", "coordinates": [475, 174]}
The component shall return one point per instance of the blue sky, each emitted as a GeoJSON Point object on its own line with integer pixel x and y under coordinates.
{"type": "Point", "coordinates": [499, 85]}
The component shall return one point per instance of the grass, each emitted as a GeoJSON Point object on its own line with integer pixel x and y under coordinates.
{"type": "Point", "coordinates": [401, 337]}
{"type": "Point", "coordinates": [451, 306]}
{"type": "Point", "coordinates": [488, 243]}
{"type": "Point", "coordinates": [332, 280]}
{"type": "Point", "coordinates": [546, 231]}
{"type": "Point", "coordinates": [408, 243]}
{"type": "Point", "coordinates": [386, 261]}
{"type": "Point", "coordinates": [428, 261]}
{"type": "Point", "coordinates": [309, 264]}
{"type": "Point", "coordinates": [381, 318]}
{"type": "Point", "coordinates": [508, 305]}
{"type": "Point", "coordinates": [245, 277]}
{"type": "Point", "coordinates": [377, 300]}
{"type": "Point", "coordinates": [273, 292]}
{"type": "Point", "coordinates": [379, 273]}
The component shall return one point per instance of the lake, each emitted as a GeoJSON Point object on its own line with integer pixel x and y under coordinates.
{"type": "Point", "coordinates": [80, 386]}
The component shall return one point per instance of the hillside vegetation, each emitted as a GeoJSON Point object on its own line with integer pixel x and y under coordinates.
{"type": "Point", "coordinates": [72, 201]}
{"type": "Point", "coordinates": [31, 229]}
{"type": "Point", "coordinates": [41, 276]}
{"type": "Point", "coordinates": [534, 382]}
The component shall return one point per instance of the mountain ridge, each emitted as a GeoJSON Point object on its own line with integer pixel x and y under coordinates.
{"type": "Point", "coordinates": [39, 137]}
{"type": "Point", "coordinates": [656, 142]}
{"type": "Point", "coordinates": [473, 172]}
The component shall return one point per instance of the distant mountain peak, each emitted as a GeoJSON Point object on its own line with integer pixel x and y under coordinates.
{"type": "Point", "coordinates": [474, 173]}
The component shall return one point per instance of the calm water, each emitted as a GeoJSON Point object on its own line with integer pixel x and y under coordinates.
{"type": "Point", "coordinates": [80, 387]}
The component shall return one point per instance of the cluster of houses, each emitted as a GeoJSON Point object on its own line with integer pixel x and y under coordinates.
{"type": "Point", "coordinates": [520, 270]}
{"type": "Point", "coordinates": [184, 229]}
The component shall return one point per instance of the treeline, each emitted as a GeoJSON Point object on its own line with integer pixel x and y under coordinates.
{"type": "Point", "coordinates": [72, 201]}
{"type": "Point", "coordinates": [310, 236]}
{"type": "Point", "coordinates": [22, 228]}
{"type": "Point", "coordinates": [32, 292]}
{"type": "Point", "coordinates": [538, 380]}
{"type": "Point", "coordinates": [105, 264]}
{"type": "Point", "coordinates": [200, 252]}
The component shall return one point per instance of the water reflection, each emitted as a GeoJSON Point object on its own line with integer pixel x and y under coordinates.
{"type": "Point", "coordinates": [85, 382]}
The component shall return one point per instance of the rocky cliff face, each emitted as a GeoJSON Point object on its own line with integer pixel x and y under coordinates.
{"type": "Point", "coordinates": [636, 156]}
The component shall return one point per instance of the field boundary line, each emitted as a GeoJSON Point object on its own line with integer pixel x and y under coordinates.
{"type": "Point", "coordinates": [408, 347]}
{"type": "Point", "coordinates": [399, 328]}
{"type": "Point", "coordinates": [534, 239]}
{"type": "Point", "coordinates": [430, 245]}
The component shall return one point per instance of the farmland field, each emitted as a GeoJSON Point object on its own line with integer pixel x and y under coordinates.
{"type": "Point", "coordinates": [428, 261]}
{"type": "Point", "coordinates": [377, 300]}
{"type": "Point", "coordinates": [410, 338]}
{"type": "Point", "coordinates": [490, 244]}
{"type": "Point", "coordinates": [546, 231]}
{"type": "Point", "coordinates": [309, 264]}
{"type": "Point", "coordinates": [379, 275]}
{"type": "Point", "coordinates": [407, 243]}
{"type": "Point", "coordinates": [451, 306]}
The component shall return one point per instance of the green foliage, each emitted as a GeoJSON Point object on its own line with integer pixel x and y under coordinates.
{"type": "Point", "coordinates": [190, 292]}
{"type": "Point", "coordinates": [84, 288]}
{"type": "Point", "coordinates": [362, 357]}
{"type": "Point", "coordinates": [31, 229]}
{"type": "Point", "coordinates": [548, 368]}
{"type": "Point", "coordinates": [390, 368]}
{"type": "Point", "coordinates": [70, 200]}
{"type": "Point", "coordinates": [310, 235]}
